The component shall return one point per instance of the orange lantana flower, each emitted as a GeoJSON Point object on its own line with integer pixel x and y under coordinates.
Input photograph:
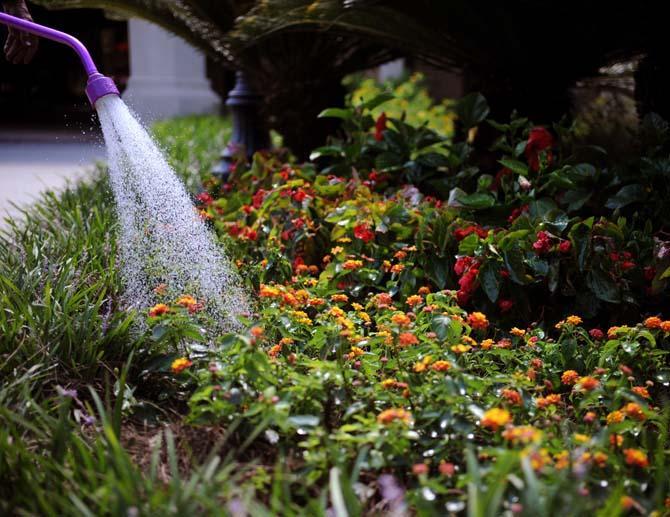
{"type": "Point", "coordinates": [158, 309]}
{"type": "Point", "coordinates": [496, 418]}
{"type": "Point", "coordinates": [394, 415]}
{"type": "Point", "coordinates": [179, 365]}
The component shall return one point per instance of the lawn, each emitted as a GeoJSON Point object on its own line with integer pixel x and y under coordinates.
{"type": "Point", "coordinates": [437, 329]}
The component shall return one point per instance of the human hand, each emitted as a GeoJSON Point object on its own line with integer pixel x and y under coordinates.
{"type": "Point", "coordinates": [20, 46]}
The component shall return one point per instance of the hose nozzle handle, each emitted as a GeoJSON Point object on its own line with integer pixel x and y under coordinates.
{"type": "Point", "coordinates": [98, 85]}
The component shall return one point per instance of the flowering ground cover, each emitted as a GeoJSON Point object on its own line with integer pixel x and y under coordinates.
{"type": "Point", "coordinates": [438, 330]}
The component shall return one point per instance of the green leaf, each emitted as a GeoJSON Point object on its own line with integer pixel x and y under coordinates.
{"type": "Point", "coordinates": [344, 114]}
{"type": "Point", "coordinates": [159, 332]}
{"type": "Point", "coordinates": [576, 199]}
{"type": "Point", "coordinates": [336, 496]}
{"type": "Point", "coordinates": [377, 101]}
{"type": "Point", "coordinates": [436, 268]}
{"type": "Point", "coordinates": [603, 287]}
{"type": "Point", "coordinates": [328, 150]}
{"type": "Point", "coordinates": [478, 200]}
{"type": "Point", "coordinates": [510, 239]}
{"type": "Point", "coordinates": [468, 245]}
{"type": "Point", "coordinates": [627, 195]}
{"type": "Point", "coordinates": [303, 420]}
{"type": "Point", "coordinates": [446, 328]}
{"type": "Point", "coordinates": [539, 208]}
{"type": "Point", "coordinates": [556, 221]}
{"type": "Point", "coordinates": [580, 236]}
{"type": "Point", "coordinates": [514, 262]}
{"type": "Point", "coordinates": [515, 166]}
{"type": "Point", "coordinates": [387, 161]}
{"type": "Point", "coordinates": [488, 276]}
{"type": "Point", "coordinates": [553, 276]}
{"type": "Point", "coordinates": [472, 109]}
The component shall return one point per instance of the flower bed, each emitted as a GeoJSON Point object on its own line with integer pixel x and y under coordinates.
{"type": "Point", "coordinates": [438, 329]}
{"type": "Point", "coordinates": [394, 347]}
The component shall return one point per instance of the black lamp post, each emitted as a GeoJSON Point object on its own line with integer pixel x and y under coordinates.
{"type": "Point", "coordinates": [248, 131]}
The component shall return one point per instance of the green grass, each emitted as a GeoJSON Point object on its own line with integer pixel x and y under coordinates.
{"type": "Point", "coordinates": [59, 280]}
{"type": "Point", "coordinates": [61, 325]}
{"type": "Point", "coordinates": [59, 286]}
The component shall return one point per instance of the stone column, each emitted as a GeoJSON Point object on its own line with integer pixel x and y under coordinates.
{"type": "Point", "coordinates": [167, 75]}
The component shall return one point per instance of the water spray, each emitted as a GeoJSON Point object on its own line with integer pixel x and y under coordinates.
{"type": "Point", "coordinates": [97, 85]}
{"type": "Point", "coordinates": [161, 236]}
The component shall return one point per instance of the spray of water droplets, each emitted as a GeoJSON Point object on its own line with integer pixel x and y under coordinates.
{"type": "Point", "coordinates": [162, 239]}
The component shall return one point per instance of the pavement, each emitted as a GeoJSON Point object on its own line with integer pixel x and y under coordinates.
{"type": "Point", "coordinates": [31, 163]}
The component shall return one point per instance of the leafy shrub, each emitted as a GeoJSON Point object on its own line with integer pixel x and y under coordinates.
{"type": "Point", "coordinates": [576, 235]}
{"type": "Point", "coordinates": [411, 102]}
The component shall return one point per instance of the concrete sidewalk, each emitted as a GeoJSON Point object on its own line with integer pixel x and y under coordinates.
{"type": "Point", "coordinates": [28, 168]}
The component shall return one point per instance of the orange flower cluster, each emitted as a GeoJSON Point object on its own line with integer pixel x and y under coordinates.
{"type": "Point", "coordinates": [634, 411]}
{"type": "Point", "coordinates": [441, 366]}
{"type": "Point", "coordinates": [407, 339]}
{"type": "Point", "coordinates": [388, 384]}
{"type": "Point", "coordinates": [569, 377]}
{"type": "Point", "coordinates": [179, 365]}
{"type": "Point", "coordinates": [190, 303]}
{"type": "Point", "coordinates": [587, 384]}
{"type": "Point", "coordinates": [550, 400]}
{"type": "Point", "coordinates": [522, 434]}
{"type": "Point", "coordinates": [495, 418]}
{"type": "Point", "coordinates": [478, 321]}
{"type": "Point", "coordinates": [158, 310]}
{"type": "Point", "coordinates": [394, 415]}
{"type": "Point", "coordinates": [636, 458]}
{"type": "Point", "coordinates": [383, 300]}
{"type": "Point", "coordinates": [353, 265]}
{"type": "Point", "coordinates": [401, 319]}
{"type": "Point", "coordinates": [414, 300]}
{"type": "Point", "coordinates": [422, 366]}
{"type": "Point", "coordinates": [512, 396]}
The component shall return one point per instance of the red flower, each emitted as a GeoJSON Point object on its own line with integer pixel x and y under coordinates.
{"type": "Point", "coordinates": [596, 334]}
{"type": "Point", "coordinates": [627, 264]}
{"type": "Point", "coordinates": [235, 229]}
{"type": "Point", "coordinates": [516, 213]}
{"type": "Point", "coordinates": [543, 243]}
{"type": "Point", "coordinates": [462, 233]}
{"type": "Point", "coordinates": [363, 232]}
{"type": "Point", "coordinates": [505, 305]}
{"type": "Point", "coordinates": [258, 197]}
{"type": "Point", "coordinates": [539, 139]}
{"type": "Point", "coordinates": [502, 173]}
{"type": "Point", "coordinates": [299, 195]}
{"type": "Point", "coordinates": [468, 284]}
{"type": "Point", "coordinates": [205, 198]}
{"type": "Point", "coordinates": [252, 235]}
{"type": "Point", "coordinates": [380, 127]}
{"type": "Point", "coordinates": [649, 273]}
{"type": "Point", "coordinates": [298, 261]}
{"type": "Point", "coordinates": [463, 264]}
{"type": "Point", "coordinates": [565, 247]}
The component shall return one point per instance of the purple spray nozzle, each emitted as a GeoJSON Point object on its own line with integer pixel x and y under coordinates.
{"type": "Point", "coordinates": [98, 85]}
